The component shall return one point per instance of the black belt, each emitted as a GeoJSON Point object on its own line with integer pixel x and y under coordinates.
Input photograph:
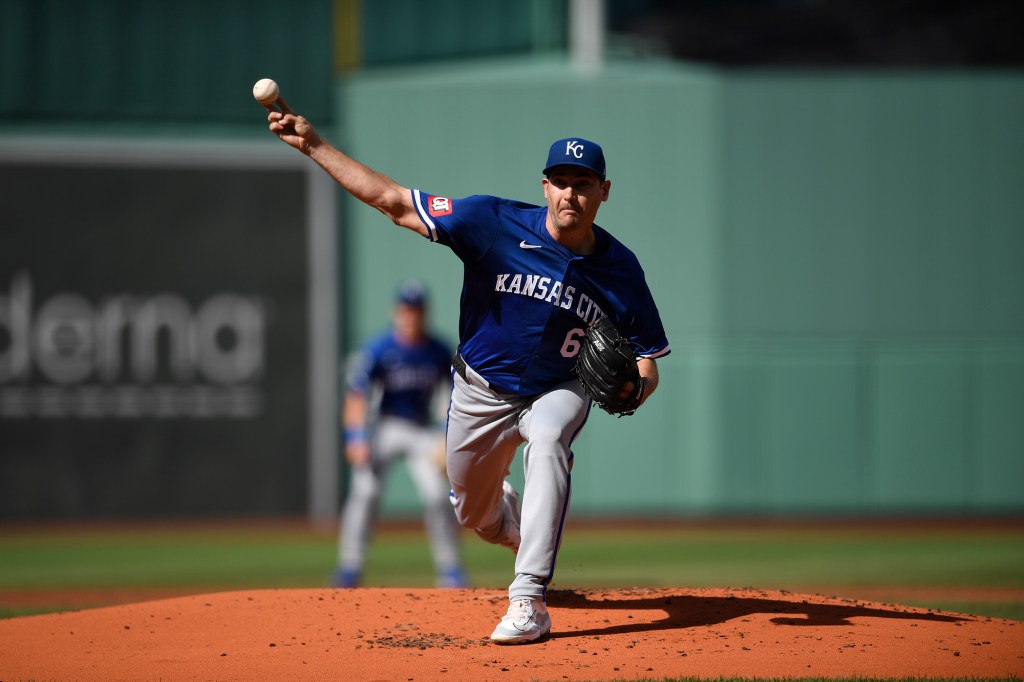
{"type": "Point", "coordinates": [460, 365]}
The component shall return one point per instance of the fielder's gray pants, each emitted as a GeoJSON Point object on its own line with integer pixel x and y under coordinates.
{"type": "Point", "coordinates": [484, 430]}
{"type": "Point", "coordinates": [393, 438]}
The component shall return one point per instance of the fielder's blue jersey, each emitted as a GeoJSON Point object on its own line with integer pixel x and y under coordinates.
{"type": "Point", "coordinates": [526, 299]}
{"type": "Point", "coordinates": [406, 374]}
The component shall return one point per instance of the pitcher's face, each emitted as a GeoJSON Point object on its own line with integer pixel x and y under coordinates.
{"type": "Point", "coordinates": [573, 196]}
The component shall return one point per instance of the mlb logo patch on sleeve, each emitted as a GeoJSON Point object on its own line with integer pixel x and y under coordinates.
{"type": "Point", "coordinates": [440, 206]}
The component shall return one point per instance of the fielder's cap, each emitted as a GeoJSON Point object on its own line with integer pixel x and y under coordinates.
{"type": "Point", "coordinates": [411, 292]}
{"type": "Point", "coordinates": [575, 151]}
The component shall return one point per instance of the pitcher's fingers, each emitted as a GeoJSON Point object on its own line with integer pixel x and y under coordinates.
{"type": "Point", "coordinates": [284, 106]}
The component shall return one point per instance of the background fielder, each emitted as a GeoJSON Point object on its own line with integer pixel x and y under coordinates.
{"type": "Point", "coordinates": [390, 411]}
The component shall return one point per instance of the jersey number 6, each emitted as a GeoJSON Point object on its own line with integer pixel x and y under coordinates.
{"type": "Point", "coordinates": [572, 343]}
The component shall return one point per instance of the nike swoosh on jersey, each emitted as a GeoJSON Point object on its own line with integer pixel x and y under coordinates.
{"type": "Point", "coordinates": [524, 245]}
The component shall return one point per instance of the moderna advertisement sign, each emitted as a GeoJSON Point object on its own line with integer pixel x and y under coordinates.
{"type": "Point", "coordinates": [153, 341]}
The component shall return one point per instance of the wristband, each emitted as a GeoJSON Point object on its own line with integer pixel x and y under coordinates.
{"type": "Point", "coordinates": [356, 435]}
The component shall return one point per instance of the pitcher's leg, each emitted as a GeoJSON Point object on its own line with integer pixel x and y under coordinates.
{"type": "Point", "coordinates": [482, 439]}
{"type": "Point", "coordinates": [552, 423]}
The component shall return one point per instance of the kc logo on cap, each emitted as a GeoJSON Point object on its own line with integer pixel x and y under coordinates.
{"type": "Point", "coordinates": [575, 148]}
{"type": "Point", "coordinates": [576, 151]}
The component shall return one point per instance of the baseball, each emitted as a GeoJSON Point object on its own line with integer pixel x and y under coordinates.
{"type": "Point", "coordinates": [266, 91]}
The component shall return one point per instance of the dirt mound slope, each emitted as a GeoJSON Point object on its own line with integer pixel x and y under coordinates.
{"type": "Point", "coordinates": [420, 635]}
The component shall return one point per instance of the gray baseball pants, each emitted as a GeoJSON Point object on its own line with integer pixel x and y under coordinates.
{"type": "Point", "coordinates": [393, 438]}
{"type": "Point", "coordinates": [484, 430]}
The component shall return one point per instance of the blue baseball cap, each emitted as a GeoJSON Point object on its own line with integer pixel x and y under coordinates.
{"type": "Point", "coordinates": [411, 292]}
{"type": "Point", "coordinates": [575, 151]}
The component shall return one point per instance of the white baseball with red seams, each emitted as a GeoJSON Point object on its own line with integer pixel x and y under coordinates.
{"type": "Point", "coordinates": [266, 91]}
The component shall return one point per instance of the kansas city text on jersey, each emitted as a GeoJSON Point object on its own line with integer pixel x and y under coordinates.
{"type": "Point", "coordinates": [550, 291]}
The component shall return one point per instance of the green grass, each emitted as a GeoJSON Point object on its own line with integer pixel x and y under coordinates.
{"type": "Point", "coordinates": [819, 558]}
{"type": "Point", "coordinates": [219, 557]}
{"type": "Point", "coordinates": [778, 557]}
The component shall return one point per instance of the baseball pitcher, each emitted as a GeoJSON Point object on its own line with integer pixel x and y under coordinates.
{"type": "Point", "coordinates": [542, 284]}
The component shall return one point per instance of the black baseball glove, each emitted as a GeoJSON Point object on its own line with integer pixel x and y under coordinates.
{"type": "Point", "coordinates": [607, 368]}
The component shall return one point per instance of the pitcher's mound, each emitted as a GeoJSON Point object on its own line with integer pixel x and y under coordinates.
{"type": "Point", "coordinates": [426, 635]}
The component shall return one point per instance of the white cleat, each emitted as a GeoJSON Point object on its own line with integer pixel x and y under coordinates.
{"type": "Point", "coordinates": [527, 620]}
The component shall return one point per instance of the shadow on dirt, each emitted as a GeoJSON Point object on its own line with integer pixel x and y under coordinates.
{"type": "Point", "coordinates": [687, 611]}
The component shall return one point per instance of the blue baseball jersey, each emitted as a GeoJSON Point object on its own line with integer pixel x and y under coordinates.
{"type": "Point", "coordinates": [526, 299]}
{"type": "Point", "coordinates": [406, 374]}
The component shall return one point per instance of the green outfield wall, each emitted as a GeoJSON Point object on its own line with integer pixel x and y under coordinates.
{"type": "Point", "coordinates": [837, 258]}
{"type": "Point", "coordinates": [838, 255]}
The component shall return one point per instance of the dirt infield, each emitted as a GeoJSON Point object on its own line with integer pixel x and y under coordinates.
{"type": "Point", "coordinates": [420, 635]}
